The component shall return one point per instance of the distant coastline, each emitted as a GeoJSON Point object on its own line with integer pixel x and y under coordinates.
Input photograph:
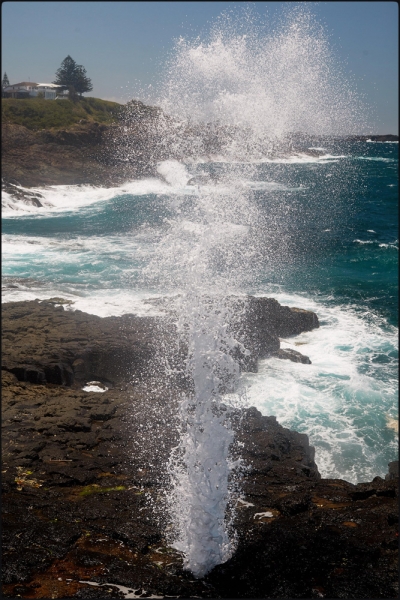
{"type": "Point", "coordinates": [389, 137]}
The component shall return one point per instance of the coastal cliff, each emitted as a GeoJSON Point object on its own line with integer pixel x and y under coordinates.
{"type": "Point", "coordinates": [102, 143]}
{"type": "Point", "coordinates": [71, 143]}
{"type": "Point", "coordinates": [77, 155]}
{"type": "Point", "coordinates": [84, 472]}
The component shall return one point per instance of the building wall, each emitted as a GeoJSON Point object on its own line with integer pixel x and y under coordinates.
{"type": "Point", "coordinates": [46, 94]}
{"type": "Point", "coordinates": [27, 91]}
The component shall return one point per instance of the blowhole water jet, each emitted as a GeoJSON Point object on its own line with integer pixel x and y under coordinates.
{"type": "Point", "coordinates": [241, 97]}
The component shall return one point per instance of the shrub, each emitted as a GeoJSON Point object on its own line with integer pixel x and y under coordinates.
{"type": "Point", "coordinates": [38, 113]}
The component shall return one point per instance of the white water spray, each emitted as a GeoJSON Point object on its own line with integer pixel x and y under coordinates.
{"type": "Point", "coordinates": [242, 94]}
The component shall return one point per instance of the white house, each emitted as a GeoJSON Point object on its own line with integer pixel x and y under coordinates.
{"type": "Point", "coordinates": [30, 89]}
{"type": "Point", "coordinates": [19, 90]}
{"type": "Point", "coordinates": [51, 91]}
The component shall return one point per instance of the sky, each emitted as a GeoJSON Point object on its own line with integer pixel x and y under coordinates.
{"type": "Point", "coordinates": [124, 45]}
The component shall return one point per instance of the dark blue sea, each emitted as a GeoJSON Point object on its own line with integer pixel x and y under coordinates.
{"type": "Point", "coordinates": [327, 240]}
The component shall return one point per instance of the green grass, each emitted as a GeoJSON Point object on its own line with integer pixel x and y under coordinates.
{"type": "Point", "coordinates": [95, 489]}
{"type": "Point", "coordinates": [37, 113]}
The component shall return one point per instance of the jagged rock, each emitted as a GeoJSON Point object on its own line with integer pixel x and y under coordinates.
{"type": "Point", "coordinates": [257, 323]}
{"type": "Point", "coordinates": [13, 187]}
{"type": "Point", "coordinates": [76, 500]}
{"type": "Point", "coordinates": [84, 473]}
{"type": "Point", "coordinates": [262, 322]}
{"type": "Point", "coordinates": [85, 153]}
{"type": "Point", "coordinates": [43, 343]}
{"type": "Point", "coordinates": [293, 355]}
{"type": "Point", "coordinates": [266, 314]}
{"type": "Point", "coordinates": [272, 450]}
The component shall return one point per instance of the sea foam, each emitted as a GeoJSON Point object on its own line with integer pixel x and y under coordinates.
{"type": "Point", "coordinates": [339, 400]}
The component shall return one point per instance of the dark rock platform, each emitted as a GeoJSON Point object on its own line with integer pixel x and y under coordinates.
{"type": "Point", "coordinates": [83, 474]}
{"type": "Point", "coordinates": [43, 343]}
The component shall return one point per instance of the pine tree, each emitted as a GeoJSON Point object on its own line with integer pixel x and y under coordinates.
{"type": "Point", "coordinates": [82, 83]}
{"type": "Point", "coordinates": [65, 74]}
{"type": "Point", "coordinates": [72, 77]}
{"type": "Point", "coordinates": [4, 84]}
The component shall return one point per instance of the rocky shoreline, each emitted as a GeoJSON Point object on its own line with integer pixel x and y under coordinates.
{"type": "Point", "coordinates": [81, 154]}
{"type": "Point", "coordinates": [83, 472]}
{"type": "Point", "coordinates": [109, 155]}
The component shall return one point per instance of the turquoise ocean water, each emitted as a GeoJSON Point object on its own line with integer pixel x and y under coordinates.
{"type": "Point", "coordinates": [328, 229]}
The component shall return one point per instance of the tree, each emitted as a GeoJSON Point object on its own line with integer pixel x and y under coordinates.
{"type": "Point", "coordinates": [72, 77]}
{"type": "Point", "coordinates": [83, 83]}
{"type": "Point", "coordinates": [4, 84]}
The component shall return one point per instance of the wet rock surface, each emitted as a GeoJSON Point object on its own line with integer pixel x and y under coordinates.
{"type": "Point", "coordinates": [44, 343]}
{"type": "Point", "coordinates": [80, 154]}
{"type": "Point", "coordinates": [83, 479]}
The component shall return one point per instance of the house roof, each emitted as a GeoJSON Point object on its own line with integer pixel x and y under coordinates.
{"type": "Point", "coordinates": [31, 84]}
{"type": "Point", "coordinates": [23, 83]}
{"type": "Point", "coordinates": [48, 85]}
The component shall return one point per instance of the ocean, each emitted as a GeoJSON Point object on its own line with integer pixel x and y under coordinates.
{"type": "Point", "coordinates": [329, 243]}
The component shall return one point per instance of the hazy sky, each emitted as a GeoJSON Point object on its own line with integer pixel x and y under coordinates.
{"type": "Point", "coordinates": [123, 45]}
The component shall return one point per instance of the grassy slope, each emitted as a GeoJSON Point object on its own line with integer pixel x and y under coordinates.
{"type": "Point", "coordinates": [37, 113]}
